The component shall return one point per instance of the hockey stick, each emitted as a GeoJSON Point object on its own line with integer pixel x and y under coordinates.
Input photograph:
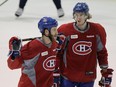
{"type": "Point", "coordinates": [28, 39]}
{"type": "Point", "coordinates": [3, 2]}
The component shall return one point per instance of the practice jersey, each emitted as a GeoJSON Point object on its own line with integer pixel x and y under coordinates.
{"type": "Point", "coordinates": [37, 62]}
{"type": "Point", "coordinates": [81, 51]}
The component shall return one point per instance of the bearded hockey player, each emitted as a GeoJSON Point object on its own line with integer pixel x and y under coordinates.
{"type": "Point", "coordinates": [37, 57]}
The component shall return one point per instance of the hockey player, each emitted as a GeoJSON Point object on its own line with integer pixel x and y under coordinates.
{"type": "Point", "coordinates": [36, 58]}
{"type": "Point", "coordinates": [57, 3]}
{"type": "Point", "coordinates": [84, 46]}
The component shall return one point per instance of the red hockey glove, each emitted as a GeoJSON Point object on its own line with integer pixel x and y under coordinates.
{"type": "Point", "coordinates": [106, 78]}
{"type": "Point", "coordinates": [14, 46]}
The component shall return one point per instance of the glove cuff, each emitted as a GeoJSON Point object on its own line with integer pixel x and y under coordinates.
{"type": "Point", "coordinates": [14, 54]}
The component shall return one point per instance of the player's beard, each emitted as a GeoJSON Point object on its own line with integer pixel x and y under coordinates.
{"type": "Point", "coordinates": [51, 37]}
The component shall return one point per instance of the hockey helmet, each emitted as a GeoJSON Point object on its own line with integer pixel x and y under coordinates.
{"type": "Point", "coordinates": [81, 7]}
{"type": "Point", "coordinates": [47, 23]}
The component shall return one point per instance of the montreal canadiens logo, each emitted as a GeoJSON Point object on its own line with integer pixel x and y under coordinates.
{"type": "Point", "coordinates": [82, 48]}
{"type": "Point", "coordinates": [49, 63]}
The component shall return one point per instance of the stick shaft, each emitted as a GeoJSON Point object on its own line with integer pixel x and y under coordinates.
{"type": "Point", "coordinates": [28, 39]}
{"type": "Point", "coordinates": [3, 2]}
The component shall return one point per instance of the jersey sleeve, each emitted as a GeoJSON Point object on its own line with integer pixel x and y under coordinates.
{"type": "Point", "coordinates": [102, 55]}
{"type": "Point", "coordinates": [27, 52]}
{"type": "Point", "coordinates": [102, 33]}
{"type": "Point", "coordinates": [59, 57]}
{"type": "Point", "coordinates": [14, 64]}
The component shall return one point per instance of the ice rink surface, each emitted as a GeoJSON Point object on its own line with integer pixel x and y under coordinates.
{"type": "Point", "coordinates": [103, 12]}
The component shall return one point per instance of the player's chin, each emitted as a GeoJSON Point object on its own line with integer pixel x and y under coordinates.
{"type": "Point", "coordinates": [55, 37]}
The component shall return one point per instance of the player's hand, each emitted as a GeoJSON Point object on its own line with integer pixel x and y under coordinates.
{"type": "Point", "coordinates": [15, 45]}
{"type": "Point", "coordinates": [106, 78]}
{"type": "Point", "coordinates": [60, 38]}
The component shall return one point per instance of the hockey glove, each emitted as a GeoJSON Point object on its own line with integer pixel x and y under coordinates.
{"type": "Point", "coordinates": [14, 46]}
{"type": "Point", "coordinates": [106, 78]}
{"type": "Point", "coordinates": [60, 39]}
{"type": "Point", "coordinates": [56, 76]}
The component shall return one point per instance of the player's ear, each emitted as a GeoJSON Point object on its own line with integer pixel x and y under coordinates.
{"type": "Point", "coordinates": [46, 32]}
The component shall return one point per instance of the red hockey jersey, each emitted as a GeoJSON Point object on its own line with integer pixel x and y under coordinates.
{"type": "Point", "coordinates": [81, 51]}
{"type": "Point", "coordinates": [37, 62]}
